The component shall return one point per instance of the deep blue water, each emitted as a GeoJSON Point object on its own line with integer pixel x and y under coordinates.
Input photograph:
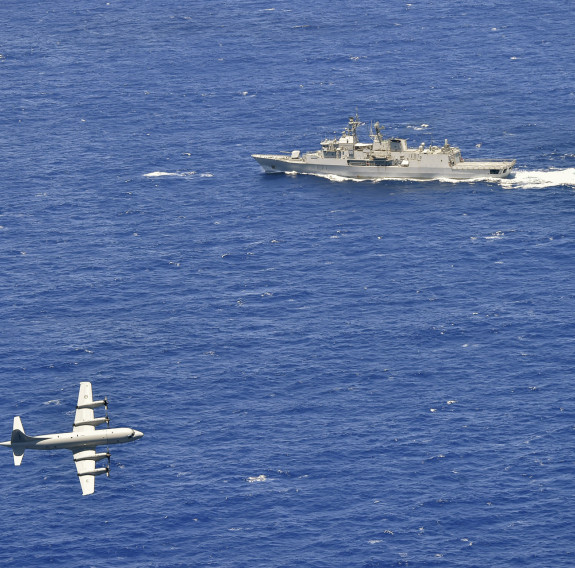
{"type": "Point", "coordinates": [327, 373]}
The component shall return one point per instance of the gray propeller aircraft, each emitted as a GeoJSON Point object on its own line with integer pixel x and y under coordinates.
{"type": "Point", "coordinates": [83, 440]}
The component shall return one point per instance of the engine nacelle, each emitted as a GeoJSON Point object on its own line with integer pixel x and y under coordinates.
{"type": "Point", "coordinates": [83, 456]}
{"type": "Point", "coordinates": [95, 422]}
{"type": "Point", "coordinates": [97, 471]}
{"type": "Point", "coordinates": [100, 457]}
{"type": "Point", "coordinates": [94, 404]}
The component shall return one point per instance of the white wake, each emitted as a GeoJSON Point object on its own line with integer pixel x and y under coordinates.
{"type": "Point", "coordinates": [177, 174]}
{"type": "Point", "coordinates": [538, 179]}
{"type": "Point", "coordinates": [522, 179]}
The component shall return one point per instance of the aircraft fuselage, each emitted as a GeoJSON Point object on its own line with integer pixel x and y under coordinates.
{"type": "Point", "coordinates": [79, 439]}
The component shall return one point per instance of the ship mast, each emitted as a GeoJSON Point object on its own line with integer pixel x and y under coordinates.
{"type": "Point", "coordinates": [353, 125]}
{"type": "Point", "coordinates": [377, 136]}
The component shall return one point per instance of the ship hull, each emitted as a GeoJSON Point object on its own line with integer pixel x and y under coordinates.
{"type": "Point", "coordinates": [335, 167]}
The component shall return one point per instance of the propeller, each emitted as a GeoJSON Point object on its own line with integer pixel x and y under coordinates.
{"type": "Point", "coordinates": [107, 426]}
{"type": "Point", "coordinates": [107, 415]}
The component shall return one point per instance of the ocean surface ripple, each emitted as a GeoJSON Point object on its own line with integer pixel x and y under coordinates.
{"type": "Point", "coordinates": [327, 373]}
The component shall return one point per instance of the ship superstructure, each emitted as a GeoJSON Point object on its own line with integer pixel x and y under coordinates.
{"type": "Point", "coordinates": [383, 158]}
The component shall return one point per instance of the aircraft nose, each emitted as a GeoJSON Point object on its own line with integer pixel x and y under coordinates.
{"type": "Point", "coordinates": [138, 434]}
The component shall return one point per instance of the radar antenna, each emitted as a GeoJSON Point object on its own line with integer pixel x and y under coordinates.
{"type": "Point", "coordinates": [353, 125]}
{"type": "Point", "coordinates": [378, 128]}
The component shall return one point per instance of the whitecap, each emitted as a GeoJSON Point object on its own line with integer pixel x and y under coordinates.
{"type": "Point", "coordinates": [496, 235]}
{"type": "Point", "coordinates": [170, 174]}
{"type": "Point", "coordinates": [159, 174]}
{"type": "Point", "coordinates": [256, 479]}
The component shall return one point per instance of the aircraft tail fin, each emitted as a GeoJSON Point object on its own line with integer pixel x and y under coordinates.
{"type": "Point", "coordinates": [18, 433]}
{"type": "Point", "coordinates": [18, 436]}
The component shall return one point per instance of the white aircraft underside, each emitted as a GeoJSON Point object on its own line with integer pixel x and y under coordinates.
{"type": "Point", "coordinates": [83, 440]}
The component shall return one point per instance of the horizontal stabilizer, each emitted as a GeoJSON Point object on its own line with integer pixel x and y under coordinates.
{"type": "Point", "coordinates": [18, 455]}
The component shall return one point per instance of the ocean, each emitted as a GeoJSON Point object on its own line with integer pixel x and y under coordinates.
{"type": "Point", "coordinates": [328, 373]}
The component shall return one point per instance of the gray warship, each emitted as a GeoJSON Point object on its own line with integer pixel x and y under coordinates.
{"type": "Point", "coordinates": [383, 158]}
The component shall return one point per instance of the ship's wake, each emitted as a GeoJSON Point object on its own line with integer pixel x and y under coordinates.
{"type": "Point", "coordinates": [539, 179]}
{"type": "Point", "coordinates": [521, 179]}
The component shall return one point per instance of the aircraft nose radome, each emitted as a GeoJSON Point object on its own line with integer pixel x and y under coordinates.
{"type": "Point", "coordinates": [138, 434]}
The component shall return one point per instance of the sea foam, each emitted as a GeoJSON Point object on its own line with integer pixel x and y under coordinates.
{"type": "Point", "coordinates": [538, 179]}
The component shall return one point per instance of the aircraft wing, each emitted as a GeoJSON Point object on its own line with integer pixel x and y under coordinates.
{"type": "Point", "coordinates": [84, 420]}
{"type": "Point", "coordinates": [86, 460]}
{"type": "Point", "coordinates": [84, 413]}
{"type": "Point", "coordinates": [84, 465]}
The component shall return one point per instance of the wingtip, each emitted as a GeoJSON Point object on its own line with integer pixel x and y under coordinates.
{"type": "Point", "coordinates": [87, 487]}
